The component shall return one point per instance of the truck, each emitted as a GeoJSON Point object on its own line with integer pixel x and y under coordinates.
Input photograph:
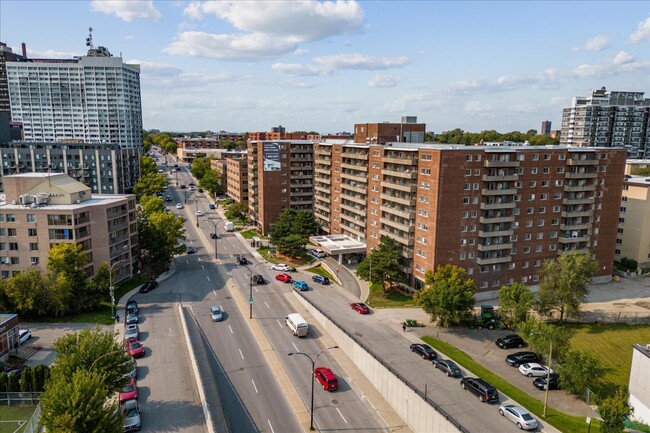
{"type": "Point", "coordinates": [229, 226]}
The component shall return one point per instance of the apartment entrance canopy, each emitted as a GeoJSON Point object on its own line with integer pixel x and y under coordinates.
{"type": "Point", "coordinates": [338, 244]}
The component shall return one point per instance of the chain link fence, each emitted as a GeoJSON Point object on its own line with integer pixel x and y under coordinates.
{"type": "Point", "coordinates": [631, 318]}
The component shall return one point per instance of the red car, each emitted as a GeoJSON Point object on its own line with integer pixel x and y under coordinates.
{"type": "Point", "coordinates": [130, 391]}
{"type": "Point", "coordinates": [360, 307]}
{"type": "Point", "coordinates": [284, 278]}
{"type": "Point", "coordinates": [134, 347]}
{"type": "Point", "coordinates": [326, 378]}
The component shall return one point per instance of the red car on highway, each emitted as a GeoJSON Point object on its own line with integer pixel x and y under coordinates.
{"type": "Point", "coordinates": [130, 391]}
{"type": "Point", "coordinates": [286, 278]}
{"type": "Point", "coordinates": [134, 347]}
{"type": "Point", "coordinates": [360, 307]}
{"type": "Point", "coordinates": [326, 378]}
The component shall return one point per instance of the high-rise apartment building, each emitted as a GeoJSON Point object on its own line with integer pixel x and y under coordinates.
{"type": "Point", "coordinates": [90, 99]}
{"type": "Point", "coordinates": [407, 131]}
{"type": "Point", "coordinates": [609, 119]}
{"type": "Point", "coordinates": [546, 128]}
{"type": "Point", "coordinates": [633, 233]}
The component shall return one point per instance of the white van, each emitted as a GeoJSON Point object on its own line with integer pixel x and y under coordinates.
{"type": "Point", "coordinates": [297, 324]}
{"type": "Point", "coordinates": [229, 226]}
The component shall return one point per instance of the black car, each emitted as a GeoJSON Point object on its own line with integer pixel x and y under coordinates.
{"type": "Point", "coordinates": [190, 249]}
{"type": "Point", "coordinates": [183, 186]}
{"type": "Point", "coordinates": [448, 367]}
{"type": "Point", "coordinates": [424, 350]}
{"type": "Point", "coordinates": [148, 286]}
{"type": "Point", "coordinates": [510, 341]}
{"type": "Point", "coordinates": [321, 279]}
{"type": "Point", "coordinates": [213, 235]}
{"type": "Point", "coordinates": [200, 189]}
{"type": "Point", "coordinates": [540, 382]}
{"type": "Point", "coordinates": [241, 260]}
{"type": "Point", "coordinates": [132, 306]}
{"type": "Point", "coordinates": [258, 279]}
{"type": "Point", "coordinates": [480, 388]}
{"type": "Point", "coordinates": [518, 358]}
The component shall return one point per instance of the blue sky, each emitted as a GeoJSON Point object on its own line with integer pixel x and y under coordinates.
{"type": "Point", "coordinates": [326, 65]}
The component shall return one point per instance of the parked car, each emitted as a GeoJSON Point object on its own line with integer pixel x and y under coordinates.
{"type": "Point", "coordinates": [148, 286]}
{"type": "Point", "coordinates": [534, 369]}
{"type": "Point", "coordinates": [24, 335]}
{"type": "Point", "coordinates": [168, 197]}
{"type": "Point", "coordinates": [183, 186]}
{"type": "Point", "coordinates": [480, 388]}
{"type": "Point", "coordinates": [211, 206]}
{"type": "Point", "coordinates": [360, 307]}
{"type": "Point", "coordinates": [200, 189]}
{"type": "Point", "coordinates": [518, 358]}
{"type": "Point", "coordinates": [283, 268]}
{"type": "Point", "coordinates": [132, 419]}
{"type": "Point", "coordinates": [191, 188]}
{"type": "Point", "coordinates": [540, 382]}
{"type": "Point", "coordinates": [510, 341]}
{"type": "Point", "coordinates": [179, 205]}
{"type": "Point", "coordinates": [134, 348]}
{"type": "Point", "coordinates": [213, 235]}
{"type": "Point", "coordinates": [216, 313]}
{"type": "Point", "coordinates": [321, 279]}
{"type": "Point", "coordinates": [258, 279]}
{"type": "Point", "coordinates": [448, 367]}
{"type": "Point", "coordinates": [285, 278]}
{"type": "Point", "coordinates": [132, 364]}
{"type": "Point", "coordinates": [326, 378]}
{"type": "Point", "coordinates": [241, 260]}
{"type": "Point", "coordinates": [132, 318]}
{"type": "Point", "coordinates": [300, 285]}
{"type": "Point", "coordinates": [132, 305]}
{"type": "Point", "coordinates": [424, 350]}
{"type": "Point", "coordinates": [222, 199]}
{"type": "Point", "coordinates": [190, 249]}
{"type": "Point", "coordinates": [129, 392]}
{"type": "Point", "coordinates": [131, 331]}
{"type": "Point", "coordinates": [319, 254]}
{"type": "Point", "coordinates": [191, 184]}
{"type": "Point", "coordinates": [520, 416]}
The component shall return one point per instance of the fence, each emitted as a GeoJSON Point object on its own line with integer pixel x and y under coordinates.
{"type": "Point", "coordinates": [631, 318]}
{"type": "Point", "coordinates": [20, 398]}
{"type": "Point", "coordinates": [32, 425]}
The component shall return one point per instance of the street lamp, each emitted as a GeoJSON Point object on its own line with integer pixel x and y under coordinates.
{"type": "Point", "coordinates": [548, 373]}
{"type": "Point", "coordinates": [196, 213]}
{"type": "Point", "coordinates": [313, 367]}
{"type": "Point", "coordinates": [216, 255]}
{"type": "Point", "coordinates": [103, 356]}
{"type": "Point", "coordinates": [110, 285]}
{"type": "Point", "coordinates": [250, 289]}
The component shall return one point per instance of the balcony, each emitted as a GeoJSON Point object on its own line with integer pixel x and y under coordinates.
{"type": "Point", "coordinates": [578, 201]}
{"type": "Point", "coordinates": [400, 161]}
{"type": "Point", "coordinates": [355, 155]}
{"type": "Point", "coordinates": [575, 161]}
{"type": "Point", "coordinates": [504, 178]}
{"type": "Point", "coordinates": [322, 197]}
{"type": "Point", "coordinates": [493, 260]}
{"type": "Point", "coordinates": [395, 223]}
{"type": "Point", "coordinates": [505, 191]}
{"type": "Point", "coordinates": [407, 213]}
{"type": "Point", "coordinates": [497, 220]}
{"type": "Point", "coordinates": [493, 164]}
{"type": "Point", "coordinates": [359, 167]}
{"type": "Point", "coordinates": [569, 175]}
{"type": "Point", "coordinates": [354, 213]}
{"type": "Point", "coordinates": [492, 206]}
{"type": "Point", "coordinates": [356, 188]}
{"type": "Point", "coordinates": [576, 214]}
{"type": "Point", "coordinates": [494, 247]}
{"type": "Point", "coordinates": [404, 174]}
{"type": "Point", "coordinates": [302, 200]}
{"type": "Point", "coordinates": [323, 151]}
{"type": "Point", "coordinates": [356, 198]}
{"type": "Point", "coordinates": [406, 199]}
{"type": "Point", "coordinates": [301, 175]}
{"type": "Point", "coordinates": [584, 226]}
{"type": "Point", "coordinates": [572, 240]}
{"type": "Point", "coordinates": [361, 177]}
{"type": "Point", "coordinates": [322, 189]}
{"type": "Point", "coordinates": [359, 233]}
{"type": "Point", "coordinates": [324, 209]}
{"type": "Point", "coordinates": [484, 234]}
{"type": "Point", "coordinates": [400, 186]}
{"type": "Point", "coordinates": [323, 170]}
{"type": "Point", "coordinates": [581, 188]}
{"type": "Point", "coordinates": [404, 239]}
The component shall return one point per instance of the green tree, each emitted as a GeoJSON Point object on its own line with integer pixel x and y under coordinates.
{"type": "Point", "coordinates": [212, 182]}
{"type": "Point", "coordinates": [644, 171]}
{"type": "Point", "coordinates": [152, 204]}
{"type": "Point", "coordinates": [384, 262]}
{"type": "Point", "coordinates": [448, 295]}
{"type": "Point", "coordinates": [4, 381]}
{"type": "Point", "coordinates": [13, 383]}
{"type": "Point", "coordinates": [160, 235]}
{"type": "Point", "coordinates": [26, 380]}
{"type": "Point", "coordinates": [614, 410]}
{"type": "Point", "coordinates": [237, 212]}
{"type": "Point", "coordinates": [291, 224]}
{"type": "Point", "coordinates": [563, 286]}
{"type": "Point", "coordinates": [150, 184]}
{"type": "Point", "coordinates": [30, 294]}
{"type": "Point", "coordinates": [78, 403]}
{"type": "Point", "coordinates": [291, 245]}
{"type": "Point", "coordinates": [541, 335]}
{"type": "Point", "coordinates": [579, 370]}
{"type": "Point", "coordinates": [515, 302]}
{"type": "Point", "coordinates": [148, 166]}
{"type": "Point", "coordinates": [200, 166]}
{"type": "Point", "coordinates": [66, 265]}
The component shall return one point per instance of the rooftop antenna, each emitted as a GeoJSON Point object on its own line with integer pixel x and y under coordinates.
{"type": "Point", "coordinates": [89, 39]}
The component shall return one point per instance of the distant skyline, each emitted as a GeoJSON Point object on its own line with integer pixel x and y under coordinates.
{"type": "Point", "coordinates": [325, 65]}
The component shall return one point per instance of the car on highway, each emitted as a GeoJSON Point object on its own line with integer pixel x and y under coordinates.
{"type": "Point", "coordinates": [211, 206]}
{"type": "Point", "coordinates": [424, 350]}
{"type": "Point", "coordinates": [148, 286]}
{"type": "Point", "coordinates": [200, 189]}
{"type": "Point", "coordinates": [360, 308]}
{"type": "Point", "coordinates": [321, 279]}
{"type": "Point", "coordinates": [179, 205]}
{"type": "Point", "coordinates": [520, 416]}
{"type": "Point", "coordinates": [510, 341]}
{"type": "Point", "coordinates": [540, 382]}
{"type": "Point", "coordinates": [518, 358]}
{"type": "Point", "coordinates": [190, 249]}
{"type": "Point", "coordinates": [300, 286]}
{"type": "Point", "coordinates": [447, 366]}
{"type": "Point", "coordinates": [283, 268]}
{"type": "Point", "coordinates": [130, 391]}
{"type": "Point", "coordinates": [534, 369]}
{"type": "Point", "coordinates": [132, 318]}
{"type": "Point", "coordinates": [131, 331]}
{"type": "Point", "coordinates": [168, 197]}
{"type": "Point", "coordinates": [199, 212]}
{"type": "Point", "coordinates": [258, 279]}
{"type": "Point", "coordinates": [216, 312]}
{"type": "Point", "coordinates": [183, 186]}
{"type": "Point", "coordinates": [241, 260]}
{"type": "Point", "coordinates": [132, 418]}
{"type": "Point", "coordinates": [213, 235]}
{"type": "Point", "coordinates": [24, 335]}
{"type": "Point", "coordinates": [480, 388]}
{"type": "Point", "coordinates": [285, 278]}
{"type": "Point", "coordinates": [191, 184]}
{"type": "Point", "coordinates": [132, 305]}
{"type": "Point", "coordinates": [326, 378]}
{"type": "Point", "coordinates": [134, 348]}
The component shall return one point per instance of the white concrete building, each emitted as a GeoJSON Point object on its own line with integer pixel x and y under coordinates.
{"type": "Point", "coordinates": [640, 382]}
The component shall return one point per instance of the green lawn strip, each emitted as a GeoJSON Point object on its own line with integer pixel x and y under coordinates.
{"type": "Point", "coordinates": [378, 299]}
{"type": "Point", "coordinates": [248, 234]}
{"type": "Point", "coordinates": [563, 422]}
{"type": "Point", "coordinates": [14, 413]}
{"type": "Point", "coordinates": [319, 270]}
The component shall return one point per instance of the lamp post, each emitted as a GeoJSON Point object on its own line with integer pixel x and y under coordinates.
{"type": "Point", "coordinates": [196, 209]}
{"type": "Point", "coordinates": [215, 224]}
{"type": "Point", "coordinates": [548, 373]}
{"type": "Point", "coordinates": [250, 289]}
{"type": "Point", "coordinates": [313, 367]}
{"type": "Point", "coordinates": [111, 289]}
{"type": "Point", "coordinates": [103, 356]}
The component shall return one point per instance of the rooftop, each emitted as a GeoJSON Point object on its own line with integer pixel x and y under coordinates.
{"type": "Point", "coordinates": [338, 244]}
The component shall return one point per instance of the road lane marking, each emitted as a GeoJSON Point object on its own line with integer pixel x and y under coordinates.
{"type": "Point", "coordinates": [296, 347]}
{"type": "Point", "coordinates": [337, 409]}
{"type": "Point", "coordinates": [230, 327]}
{"type": "Point", "coordinates": [279, 323]}
{"type": "Point", "coordinates": [267, 305]}
{"type": "Point", "coordinates": [256, 289]}
{"type": "Point", "coordinates": [203, 267]}
{"type": "Point", "coordinates": [269, 421]}
{"type": "Point", "coordinates": [256, 391]}
{"type": "Point", "coordinates": [241, 354]}
{"type": "Point", "coordinates": [213, 291]}
{"type": "Point", "coordinates": [187, 261]}
{"type": "Point", "coordinates": [207, 277]}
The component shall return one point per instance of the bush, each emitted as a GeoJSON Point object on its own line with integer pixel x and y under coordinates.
{"type": "Point", "coordinates": [630, 264]}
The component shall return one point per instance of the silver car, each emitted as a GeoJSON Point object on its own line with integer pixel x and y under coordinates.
{"type": "Point", "coordinates": [132, 420]}
{"type": "Point", "coordinates": [216, 313]}
{"type": "Point", "coordinates": [519, 416]}
{"type": "Point", "coordinates": [131, 331]}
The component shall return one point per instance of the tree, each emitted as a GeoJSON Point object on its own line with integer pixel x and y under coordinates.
{"type": "Point", "coordinates": [148, 166]}
{"type": "Point", "coordinates": [515, 302]}
{"type": "Point", "coordinates": [579, 370]}
{"type": "Point", "coordinates": [291, 245]}
{"type": "Point", "coordinates": [159, 235]}
{"type": "Point", "coordinates": [563, 286]}
{"type": "Point", "coordinates": [152, 204]}
{"type": "Point", "coordinates": [614, 410]}
{"type": "Point", "coordinates": [13, 383]}
{"type": "Point", "coordinates": [211, 181]}
{"type": "Point", "coordinates": [384, 263]}
{"type": "Point", "coordinates": [29, 294]}
{"type": "Point", "coordinates": [448, 295]}
{"type": "Point", "coordinates": [644, 171]}
{"type": "Point", "coordinates": [237, 212]}
{"type": "Point", "coordinates": [291, 231]}
{"type": "Point", "coordinates": [66, 263]}
{"type": "Point", "coordinates": [540, 335]}
{"type": "Point", "coordinates": [26, 380]}
{"type": "Point", "coordinates": [78, 403]}
{"type": "Point", "coordinates": [150, 184]}
{"type": "Point", "coordinates": [200, 166]}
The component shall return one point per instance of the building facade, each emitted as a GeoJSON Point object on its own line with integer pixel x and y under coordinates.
{"type": "Point", "coordinates": [105, 168]}
{"type": "Point", "coordinates": [546, 128]}
{"type": "Point", "coordinates": [236, 175]}
{"type": "Point", "coordinates": [407, 131]}
{"type": "Point", "coordinates": [639, 385]}
{"type": "Point", "coordinates": [609, 119]}
{"type": "Point", "coordinates": [39, 210]}
{"type": "Point", "coordinates": [633, 232]}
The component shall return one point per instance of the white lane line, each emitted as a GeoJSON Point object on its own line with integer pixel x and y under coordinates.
{"type": "Point", "coordinates": [337, 409]}
{"type": "Point", "coordinates": [256, 289]}
{"type": "Point", "coordinates": [256, 391]}
{"type": "Point", "coordinates": [187, 261]}
{"type": "Point", "coordinates": [207, 277]}
{"type": "Point", "coordinates": [267, 305]}
{"type": "Point", "coordinates": [279, 323]}
{"type": "Point", "coordinates": [230, 327]}
{"type": "Point", "coordinates": [213, 291]}
{"type": "Point", "coordinates": [241, 354]}
{"type": "Point", "coordinates": [269, 421]}
{"type": "Point", "coordinates": [296, 347]}
{"type": "Point", "coordinates": [203, 267]}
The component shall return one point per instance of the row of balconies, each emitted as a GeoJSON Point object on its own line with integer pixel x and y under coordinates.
{"type": "Point", "coordinates": [404, 238]}
{"type": "Point", "coordinates": [497, 220]}
{"type": "Point", "coordinates": [323, 208]}
{"type": "Point", "coordinates": [505, 191]}
{"type": "Point", "coordinates": [405, 199]}
{"type": "Point", "coordinates": [406, 213]}
{"type": "Point", "coordinates": [397, 223]}
{"type": "Point", "coordinates": [355, 155]}
{"type": "Point", "coordinates": [581, 226]}
{"type": "Point", "coordinates": [500, 178]}
{"type": "Point", "coordinates": [356, 209]}
{"type": "Point", "coordinates": [571, 175]}
{"type": "Point", "coordinates": [401, 186]}
{"type": "Point", "coordinates": [361, 177]}
{"type": "Point", "coordinates": [578, 201]}
{"type": "Point", "coordinates": [502, 205]}
{"type": "Point", "coordinates": [492, 260]}
{"type": "Point", "coordinates": [495, 246]}
{"type": "Point", "coordinates": [358, 167]}
{"type": "Point", "coordinates": [579, 188]}
{"type": "Point", "coordinates": [573, 240]}
{"type": "Point", "coordinates": [491, 234]}
{"type": "Point", "coordinates": [361, 188]}
{"type": "Point", "coordinates": [322, 197]}
{"type": "Point", "coordinates": [357, 198]}
{"type": "Point", "coordinates": [404, 174]}
{"type": "Point", "coordinates": [411, 160]}
{"type": "Point", "coordinates": [580, 161]}
{"type": "Point", "coordinates": [498, 163]}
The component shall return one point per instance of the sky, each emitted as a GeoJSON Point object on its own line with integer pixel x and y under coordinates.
{"type": "Point", "coordinates": [323, 66]}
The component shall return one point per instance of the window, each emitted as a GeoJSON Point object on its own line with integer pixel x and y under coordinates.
{"type": "Point", "coordinates": [528, 236]}
{"type": "Point", "coordinates": [12, 232]}
{"type": "Point", "coordinates": [546, 170]}
{"type": "Point", "coordinates": [476, 186]}
{"type": "Point", "coordinates": [530, 211]}
{"type": "Point", "coordinates": [34, 261]}
{"type": "Point", "coordinates": [465, 214]}
{"type": "Point", "coordinates": [467, 187]}
{"type": "Point", "coordinates": [425, 171]}
{"type": "Point", "coordinates": [465, 201]}
{"type": "Point", "coordinates": [11, 218]}
{"type": "Point", "coordinates": [552, 247]}
{"type": "Point", "coordinates": [543, 196]}
{"type": "Point", "coordinates": [13, 246]}
{"type": "Point", "coordinates": [542, 209]}
{"type": "Point", "coordinates": [623, 210]}
{"type": "Point", "coordinates": [473, 214]}
{"type": "Point", "coordinates": [531, 197]}
{"type": "Point", "coordinates": [540, 223]}
{"type": "Point", "coordinates": [533, 170]}
{"type": "Point", "coordinates": [544, 183]}
{"type": "Point", "coordinates": [560, 170]}
{"type": "Point", "coordinates": [536, 157]}
{"type": "Point", "coordinates": [553, 235]}
{"type": "Point", "coordinates": [468, 158]}
{"type": "Point", "coordinates": [533, 184]}
{"type": "Point", "coordinates": [468, 172]}
{"type": "Point", "coordinates": [33, 246]}
{"type": "Point", "coordinates": [539, 236]}
{"type": "Point", "coordinates": [515, 211]}
{"type": "Point", "coordinates": [425, 157]}
{"type": "Point", "coordinates": [31, 232]}
{"type": "Point", "coordinates": [31, 218]}
{"type": "Point", "coordinates": [558, 183]}
{"type": "Point", "coordinates": [526, 250]}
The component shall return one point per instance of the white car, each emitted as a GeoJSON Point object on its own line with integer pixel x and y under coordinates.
{"type": "Point", "coordinates": [131, 331]}
{"type": "Point", "coordinates": [534, 369]}
{"type": "Point", "coordinates": [199, 213]}
{"type": "Point", "coordinates": [24, 335]}
{"type": "Point", "coordinates": [179, 205]}
{"type": "Point", "coordinates": [283, 268]}
{"type": "Point", "coordinates": [216, 313]}
{"type": "Point", "coordinates": [519, 416]}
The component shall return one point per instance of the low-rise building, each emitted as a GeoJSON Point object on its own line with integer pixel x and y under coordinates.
{"type": "Point", "coordinates": [633, 232]}
{"type": "Point", "coordinates": [8, 333]}
{"type": "Point", "coordinates": [640, 383]}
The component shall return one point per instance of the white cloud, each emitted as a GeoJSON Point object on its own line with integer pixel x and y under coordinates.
{"type": "Point", "coordinates": [52, 54]}
{"type": "Point", "coordinates": [381, 80]}
{"type": "Point", "coordinates": [127, 10]}
{"type": "Point", "coordinates": [597, 43]}
{"type": "Point", "coordinates": [158, 69]}
{"type": "Point", "coordinates": [129, 37]}
{"type": "Point", "coordinates": [359, 61]}
{"type": "Point", "coordinates": [622, 58]}
{"type": "Point", "coordinates": [642, 32]}
{"type": "Point", "coordinates": [347, 43]}
{"type": "Point", "coordinates": [300, 69]}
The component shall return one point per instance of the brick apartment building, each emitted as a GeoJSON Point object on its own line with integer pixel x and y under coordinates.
{"type": "Point", "coordinates": [39, 210]}
{"type": "Point", "coordinates": [407, 131]}
{"type": "Point", "coordinates": [633, 232]}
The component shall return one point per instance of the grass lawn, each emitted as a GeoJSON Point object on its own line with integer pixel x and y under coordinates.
{"type": "Point", "coordinates": [14, 413]}
{"type": "Point", "coordinates": [248, 234]}
{"type": "Point", "coordinates": [319, 270]}
{"type": "Point", "coordinates": [378, 299]}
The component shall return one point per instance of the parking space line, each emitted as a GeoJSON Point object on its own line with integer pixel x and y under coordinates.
{"type": "Point", "coordinates": [279, 323]}
{"type": "Point", "coordinates": [241, 354]}
{"type": "Point", "coordinates": [256, 289]}
{"type": "Point", "coordinates": [296, 347]}
{"type": "Point", "coordinates": [207, 277]}
{"type": "Point", "coordinates": [203, 267]}
{"type": "Point", "coordinates": [337, 409]}
{"type": "Point", "coordinates": [256, 391]}
{"type": "Point", "coordinates": [267, 305]}
{"type": "Point", "coordinates": [269, 421]}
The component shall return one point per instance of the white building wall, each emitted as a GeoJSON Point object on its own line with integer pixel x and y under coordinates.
{"type": "Point", "coordinates": [640, 383]}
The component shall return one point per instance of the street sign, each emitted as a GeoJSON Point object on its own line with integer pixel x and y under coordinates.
{"type": "Point", "coordinates": [250, 300]}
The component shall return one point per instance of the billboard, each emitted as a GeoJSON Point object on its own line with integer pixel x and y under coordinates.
{"type": "Point", "coordinates": [271, 155]}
